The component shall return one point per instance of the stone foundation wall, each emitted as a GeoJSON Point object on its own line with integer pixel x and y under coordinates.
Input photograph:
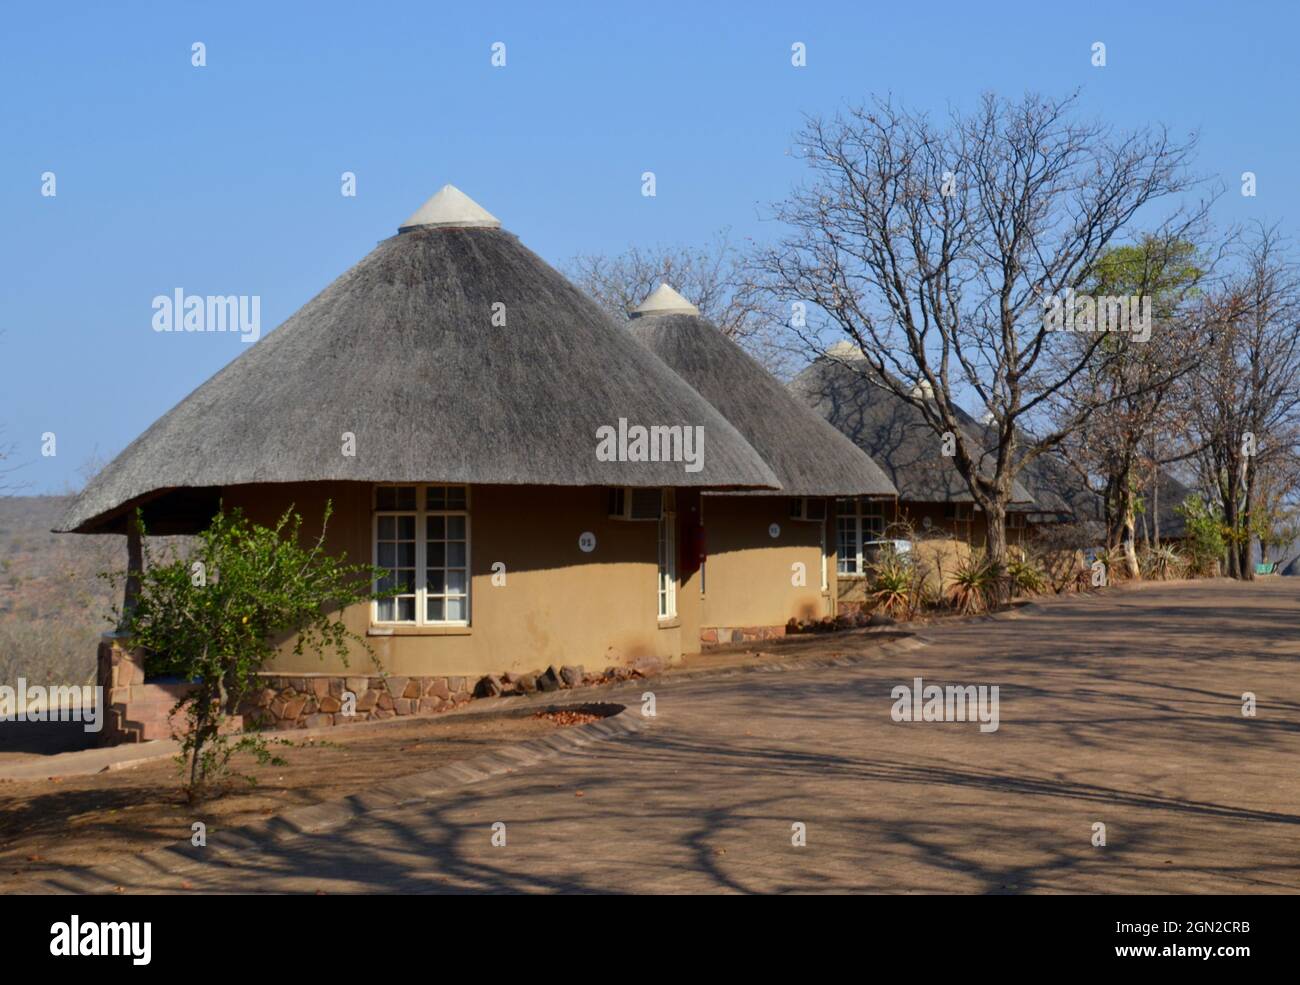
{"type": "Point", "coordinates": [137, 711]}
{"type": "Point", "coordinates": [320, 700]}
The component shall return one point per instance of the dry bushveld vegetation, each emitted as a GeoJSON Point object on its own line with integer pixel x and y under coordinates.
{"type": "Point", "coordinates": [53, 605]}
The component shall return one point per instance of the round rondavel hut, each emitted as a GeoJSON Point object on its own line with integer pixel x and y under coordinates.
{"type": "Point", "coordinates": [448, 395]}
{"type": "Point", "coordinates": [931, 492]}
{"type": "Point", "coordinates": [767, 558]}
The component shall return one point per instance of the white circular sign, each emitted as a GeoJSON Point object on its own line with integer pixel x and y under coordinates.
{"type": "Point", "coordinates": [587, 542]}
{"type": "Point", "coordinates": [774, 531]}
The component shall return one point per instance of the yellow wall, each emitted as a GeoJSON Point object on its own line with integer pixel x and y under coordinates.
{"type": "Point", "coordinates": [941, 547]}
{"type": "Point", "coordinates": [748, 574]}
{"type": "Point", "coordinates": [558, 606]}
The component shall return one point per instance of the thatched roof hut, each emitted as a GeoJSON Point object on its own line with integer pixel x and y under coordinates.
{"type": "Point", "coordinates": [454, 354]}
{"type": "Point", "coordinates": [887, 428]}
{"type": "Point", "coordinates": [1060, 495]}
{"type": "Point", "coordinates": [808, 455]}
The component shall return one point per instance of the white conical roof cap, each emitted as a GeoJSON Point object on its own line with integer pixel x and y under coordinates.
{"type": "Point", "coordinates": [844, 349]}
{"type": "Point", "coordinates": [663, 300]}
{"type": "Point", "coordinates": [450, 207]}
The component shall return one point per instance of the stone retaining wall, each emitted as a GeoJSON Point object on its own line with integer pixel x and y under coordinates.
{"type": "Point", "coordinates": [315, 701]}
{"type": "Point", "coordinates": [138, 711]}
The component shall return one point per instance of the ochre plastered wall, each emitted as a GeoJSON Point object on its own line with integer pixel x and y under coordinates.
{"type": "Point", "coordinates": [559, 605]}
{"type": "Point", "coordinates": [748, 575]}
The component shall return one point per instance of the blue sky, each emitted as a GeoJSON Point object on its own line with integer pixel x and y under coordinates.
{"type": "Point", "coordinates": [225, 179]}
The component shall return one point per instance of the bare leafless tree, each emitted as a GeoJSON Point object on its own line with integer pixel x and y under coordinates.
{"type": "Point", "coordinates": [1245, 394]}
{"type": "Point", "coordinates": [935, 249]}
{"type": "Point", "coordinates": [712, 277]}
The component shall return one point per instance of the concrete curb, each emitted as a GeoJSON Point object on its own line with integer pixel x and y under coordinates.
{"type": "Point", "coordinates": [175, 859]}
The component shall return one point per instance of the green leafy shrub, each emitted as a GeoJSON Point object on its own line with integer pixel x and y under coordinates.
{"type": "Point", "coordinates": [1205, 542]}
{"type": "Point", "coordinates": [214, 617]}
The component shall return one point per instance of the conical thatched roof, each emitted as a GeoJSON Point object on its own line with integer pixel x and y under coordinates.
{"type": "Point", "coordinates": [889, 429]}
{"type": "Point", "coordinates": [402, 351]}
{"type": "Point", "coordinates": [809, 457]}
{"type": "Point", "coordinates": [1059, 494]}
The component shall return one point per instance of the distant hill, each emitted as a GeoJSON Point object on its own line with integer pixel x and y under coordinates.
{"type": "Point", "coordinates": [53, 608]}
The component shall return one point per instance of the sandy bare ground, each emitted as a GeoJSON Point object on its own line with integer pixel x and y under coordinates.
{"type": "Point", "coordinates": [1124, 710]}
{"type": "Point", "coordinates": [46, 825]}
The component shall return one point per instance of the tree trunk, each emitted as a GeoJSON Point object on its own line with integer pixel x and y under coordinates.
{"type": "Point", "coordinates": [996, 535]}
{"type": "Point", "coordinates": [1129, 514]}
{"type": "Point", "coordinates": [995, 548]}
{"type": "Point", "coordinates": [1247, 569]}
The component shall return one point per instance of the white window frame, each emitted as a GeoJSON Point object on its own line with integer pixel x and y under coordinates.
{"type": "Point", "coordinates": [862, 509]}
{"type": "Point", "coordinates": [421, 514]}
{"type": "Point", "coordinates": [666, 561]}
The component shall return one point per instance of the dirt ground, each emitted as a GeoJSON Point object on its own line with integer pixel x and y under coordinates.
{"type": "Point", "coordinates": [79, 821]}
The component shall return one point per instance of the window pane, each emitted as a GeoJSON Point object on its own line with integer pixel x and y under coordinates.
{"type": "Point", "coordinates": [456, 609]}
{"type": "Point", "coordinates": [435, 610]}
{"type": "Point", "coordinates": [387, 583]}
{"type": "Point", "coordinates": [456, 555]}
{"type": "Point", "coordinates": [437, 583]}
{"type": "Point", "coordinates": [437, 556]}
{"type": "Point", "coordinates": [435, 528]}
{"type": "Point", "coordinates": [385, 498]}
{"type": "Point", "coordinates": [387, 555]}
{"type": "Point", "coordinates": [406, 497]}
{"type": "Point", "coordinates": [436, 498]}
{"type": "Point", "coordinates": [406, 528]}
{"type": "Point", "coordinates": [406, 609]}
{"type": "Point", "coordinates": [455, 528]}
{"type": "Point", "coordinates": [455, 582]}
{"type": "Point", "coordinates": [405, 580]}
{"type": "Point", "coordinates": [387, 527]}
{"type": "Point", "coordinates": [456, 498]}
{"type": "Point", "coordinates": [387, 608]}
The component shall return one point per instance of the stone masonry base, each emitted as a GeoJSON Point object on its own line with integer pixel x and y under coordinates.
{"type": "Point", "coordinates": [137, 711]}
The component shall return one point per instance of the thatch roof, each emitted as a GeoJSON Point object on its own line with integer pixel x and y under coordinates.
{"type": "Point", "coordinates": [1059, 494]}
{"type": "Point", "coordinates": [889, 429]}
{"type": "Point", "coordinates": [809, 457]}
{"type": "Point", "coordinates": [401, 351]}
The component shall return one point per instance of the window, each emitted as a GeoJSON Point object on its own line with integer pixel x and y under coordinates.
{"type": "Point", "coordinates": [857, 522]}
{"type": "Point", "coordinates": [961, 515]}
{"type": "Point", "coordinates": [961, 512]}
{"type": "Point", "coordinates": [667, 559]}
{"type": "Point", "coordinates": [809, 510]}
{"type": "Point", "coordinates": [422, 541]}
{"type": "Point", "coordinates": [636, 504]}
